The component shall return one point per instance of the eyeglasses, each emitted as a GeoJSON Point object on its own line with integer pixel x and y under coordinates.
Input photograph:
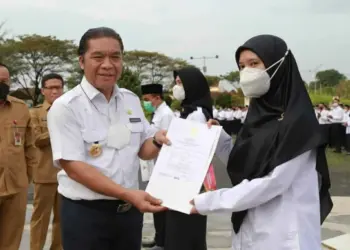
{"type": "Point", "coordinates": [54, 88]}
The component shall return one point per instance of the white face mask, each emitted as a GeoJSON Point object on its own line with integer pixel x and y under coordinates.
{"type": "Point", "coordinates": [179, 92]}
{"type": "Point", "coordinates": [256, 82]}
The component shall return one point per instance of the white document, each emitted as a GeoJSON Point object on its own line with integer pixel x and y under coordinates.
{"type": "Point", "coordinates": [180, 169]}
{"type": "Point", "coordinates": [146, 169]}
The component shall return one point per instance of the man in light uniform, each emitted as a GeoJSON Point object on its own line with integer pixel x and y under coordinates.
{"type": "Point", "coordinates": [98, 131]}
{"type": "Point", "coordinates": [162, 115]}
{"type": "Point", "coordinates": [46, 197]}
{"type": "Point", "coordinates": [336, 117]}
{"type": "Point", "coordinates": [17, 159]}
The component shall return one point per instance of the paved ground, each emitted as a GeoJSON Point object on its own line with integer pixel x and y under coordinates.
{"type": "Point", "coordinates": [219, 228]}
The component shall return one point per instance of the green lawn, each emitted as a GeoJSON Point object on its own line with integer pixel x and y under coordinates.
{"type": "Point", "coordinates": [339, 162]}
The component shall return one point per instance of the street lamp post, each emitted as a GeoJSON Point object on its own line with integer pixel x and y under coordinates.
{"type": "Point", "coordinates": [314, 71]}
{"type": "Point", "coordinates": [204, 58]}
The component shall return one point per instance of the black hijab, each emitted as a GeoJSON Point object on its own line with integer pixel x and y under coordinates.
{"type": "Point", "coordinates": [197, 92]}
{"type": "Point", "coordinates": [265, 140]}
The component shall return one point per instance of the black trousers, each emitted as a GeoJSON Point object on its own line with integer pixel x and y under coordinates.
{"type": "Point", "coordinates": [159, 226]}
{"type": "Point", "coordinates": [96, 225]}
{"type": "Point", "coordinates": [236, 126]}
{"type": "Point", "coordinates": [185, 232]}
{"type": "Point", "coordinates": [325, 128]}
{"type": "Point", "coordinates": [347, 140]}
{"type": "Point", "coordinates": [337, 136]}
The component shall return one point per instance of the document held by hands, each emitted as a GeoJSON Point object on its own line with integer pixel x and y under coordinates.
{"type": "Point", "coordinates": [180, 169]}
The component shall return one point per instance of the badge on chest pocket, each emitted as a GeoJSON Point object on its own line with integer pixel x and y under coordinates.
{"type": "Point", "coordinates": [118, 136]}
{"type": "Point", "coordinates": [17, 134]}
{"type": "Point", "coordinates": [17, 138]}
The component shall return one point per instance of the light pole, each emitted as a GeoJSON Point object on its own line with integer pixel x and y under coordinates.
{"type": "Point", "coordinates": [314, 71]}
{"type": "Point", "coordinates": [204, 58]}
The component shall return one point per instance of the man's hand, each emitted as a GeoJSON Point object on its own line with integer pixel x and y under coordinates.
{"type": "Point", "coordinates": [143, 201]}
{"type": "Point", "coordinates": [161, 138]}
{"type": "Point", "coordinates": [212, 122]}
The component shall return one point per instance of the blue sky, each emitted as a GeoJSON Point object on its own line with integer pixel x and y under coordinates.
{"type": "Point", "coordinates": [315, 30]}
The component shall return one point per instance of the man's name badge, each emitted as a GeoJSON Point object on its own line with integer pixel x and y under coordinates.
{"type": "Point", "coordinates": [18, 138]}
{"type": "Point", "coordinates": [95, 150]}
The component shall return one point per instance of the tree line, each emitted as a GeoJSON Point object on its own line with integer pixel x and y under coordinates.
{"type": "Point", "coordinates": [30, 56]}
{"type": "Point", "coordinates": [330, 82]}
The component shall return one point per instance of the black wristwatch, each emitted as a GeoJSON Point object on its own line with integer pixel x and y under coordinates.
{"type": "Point", "coordinates": [156, 143]}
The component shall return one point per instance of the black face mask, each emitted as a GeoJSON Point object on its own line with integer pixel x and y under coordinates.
{"type": "Point", "coordinates": [4, 90]}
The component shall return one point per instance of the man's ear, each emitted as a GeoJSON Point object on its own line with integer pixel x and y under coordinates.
{"type": "Point", "coordinates": [81, 62]}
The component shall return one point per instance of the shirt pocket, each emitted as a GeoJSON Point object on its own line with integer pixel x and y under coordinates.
{"type": "Point", "coordinates": [101, 161]}
{"type": "Point", "coordinates": [91, 137]}
{"type": "Point", "coordinates": [43, 124]}
{"type": "Point", "coordinates": [136, 130]}
{"type": "Point", "coordinates": [16, 134]}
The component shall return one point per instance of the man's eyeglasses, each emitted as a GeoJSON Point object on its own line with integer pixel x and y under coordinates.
{"type": "Point", "coordinates": [54, 88]}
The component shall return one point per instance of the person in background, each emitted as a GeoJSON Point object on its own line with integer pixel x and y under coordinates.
{"type": "Point", "coordinates": [324, 121]}
{"type": "Point", "coordinates": [346, 110]}
{"type": "Point", "coordinates": [17, 161]}
{"type": "Point", "coordinates": [98, 133]}
{"type": "Point", "coordinates": [337, 132]}
{"type": "Point", "coordinates": [277, 200]}
{"type": "Point", "coordinates": [153, 102]}
{"type": "Point", "coordinates": [215, 112]}
{"type": "Point", "coordinates": [221, 115]}
{"type": "Point", "coordinates": [236, 123]}
{"type": "Point", "coordinates": [46, 197]}
{"type": "Point", "coordinates": [317, 111]}
{"type": "Point", "coordinates": [244, 114]}
{"type": "Point", "coordinates": [238, 117]}
{"type": "Point", "coordinates": [347, 128]}
{"type": "Point", "coordinates": [229, 116]}
{"type": "Point", "coordinates": [188, 232]}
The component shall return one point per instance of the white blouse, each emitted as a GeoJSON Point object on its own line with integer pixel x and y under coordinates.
{"type": "Point", "coordinates": [283, 207]}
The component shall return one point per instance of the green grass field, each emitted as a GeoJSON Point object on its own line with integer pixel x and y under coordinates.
{"type": "Point", "coordinates": [327, 99]}
{"type": "Point", "coordinates": [338, 162]}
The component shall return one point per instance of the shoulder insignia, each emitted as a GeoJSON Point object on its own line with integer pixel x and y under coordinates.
{"type": "Point", "coordinates": [14, 99]}
{"type": "Point", "coordinates": [123, 90]}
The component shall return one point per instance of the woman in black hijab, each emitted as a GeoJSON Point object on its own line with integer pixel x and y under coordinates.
{"type": "Point", "coordinates": [188, 232]}
{"type": "Point", "coordinates": [278, 161]}
{"type": "Point", "coordinates": [193, 91]}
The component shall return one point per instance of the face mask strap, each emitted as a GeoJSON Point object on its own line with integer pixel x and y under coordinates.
{"type": "Point", "coordinates": [280, 61]}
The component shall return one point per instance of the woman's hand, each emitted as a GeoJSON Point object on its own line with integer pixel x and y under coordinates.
{"type": "Point", "coordinates": [193, 210]}
{"type": "Point", "coordinates": [212, 122]}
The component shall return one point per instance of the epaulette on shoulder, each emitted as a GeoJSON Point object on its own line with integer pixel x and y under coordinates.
{"type": "Point", "coordinates": [14, 99]}
{"type": "Point", "coordinates": [126, 91]}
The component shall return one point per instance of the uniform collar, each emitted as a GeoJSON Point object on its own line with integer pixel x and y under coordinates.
{"type": "Point", "coordinates": [162, 105]}
{"type": "Point", "coordinates": [46, 105]}
{"type": "Point", "coordinates": [8, 101]}
{"type": "Point", "coordinates": [92, 92]}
